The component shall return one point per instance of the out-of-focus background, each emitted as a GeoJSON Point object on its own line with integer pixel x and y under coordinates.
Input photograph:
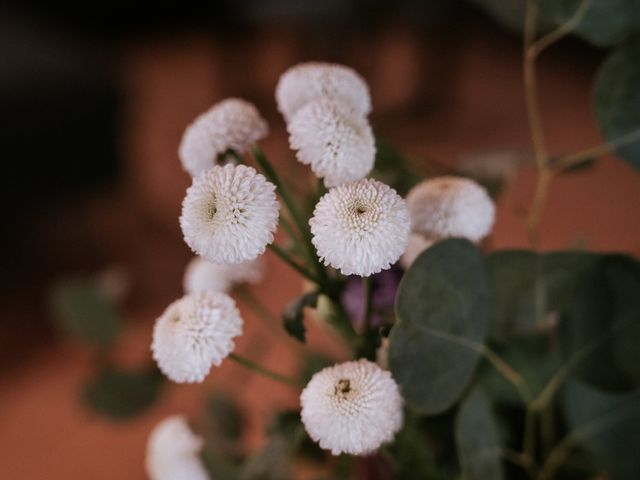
{"type": "Point", "coordinates": [94, 98]}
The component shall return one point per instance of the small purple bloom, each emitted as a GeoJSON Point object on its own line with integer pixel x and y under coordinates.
{"type": "Point", "coordinates": [385, 285]}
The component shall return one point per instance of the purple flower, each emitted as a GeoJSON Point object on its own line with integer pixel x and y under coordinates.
{"type": "Point", "coordinates": [385, 285]}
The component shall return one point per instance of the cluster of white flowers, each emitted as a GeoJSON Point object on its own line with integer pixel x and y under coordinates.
{"type": "Point", "coordinates": [231, 124]}
{"type": "Point", "coordinates": [194, 333]}
{"type": "Point", "coordinates": [229, 214]}
{"type": "Point", "coordinates": [201, 275]}
{"type": "Point", "coordinates": [360, 228]}
{"type": "Point", "coordinates": [326, 108]}
{"type": "Point", "coordinates": [173, 452]}
{"type": "Point", "coordinates": [444, 207]}
{"type": "Point", "coordinates": [353, 407]}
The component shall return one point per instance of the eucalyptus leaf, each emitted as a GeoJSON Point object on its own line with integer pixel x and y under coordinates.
{"type": "Point", "coordinates": [603, 23]}
{"type": "Point", "coordinates": [533, 357]}
{"type": "Point", "coordinates": [442, 309]}
{"type": "Point", "coordinates": [607, 424]}
{"type": "Point", "coordinates": [477, 439]}
{"type": "Point", "coordinates": [529, 289]}
{"type": "Point", "coordinates": [616, 97]}
{"type": "Point", "coordinates": [293, 315]}
{"type": "Point", "coordinates": [602, 326]}
{"type": "Point", "coordinates": [84, 311]}
{"type": "Point", "coordinates": [121, 394]}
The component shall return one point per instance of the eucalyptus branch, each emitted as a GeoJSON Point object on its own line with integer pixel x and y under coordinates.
{"type": "Point", "coordinates": [562, 31]}
{"type": "Point", "coordinates": [598, 151]}
{"type": "Point", "coordinates": [589, 429]}
{"type": "Point", "coordinates": [250, 364]}
{"type": "Point", "coordinates": [530, 85]}
{"type": "Point", "coordinates": [508, 372]}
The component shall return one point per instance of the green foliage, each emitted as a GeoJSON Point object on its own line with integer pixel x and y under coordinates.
{"type": "Point", "coordinates": [604, 23]}
{"type": "Point", "coordinates": [526, 287]}
{"type": "Point", "coordinates": [603, 324]}
{"type": "Point", "coordinates": [616, 96]}
{"type": "Point", "coordinates": [393, 168]}
{"type": "Point", "coordinates": [533, 357]}
{"type": "Point", "coordinates": [226, 417]}
{"type": "Point", "coordinates": [293, 315]}
{"type": "Point", "coordinates": [411, 457]}
{"type": "Point", "coordinates": [607, 424]}
{"type": "Point", "coordinates": [477, 439]}
{"type": "Point", "coordinates": [442, 308]}
{"type": "Point", "coordinates": [84, 311]}
{"type": "Point", "coordinates": [121, 394]}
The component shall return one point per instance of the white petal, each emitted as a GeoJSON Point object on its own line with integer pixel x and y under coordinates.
{"type": "Point", "coordinates": [361, 227]}
{"type": "Point", "coordinates": [230, 124]}
{"type": "Point", "coordinates": [353, 407]}
{"type": "Point", "coordinates": [451, 207]}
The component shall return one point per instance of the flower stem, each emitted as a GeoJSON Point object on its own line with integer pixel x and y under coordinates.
{"type": "Point", "coordinates": [303, 227]}
{"type": "Point", "coordinates": [250, 364]}
{"type": "Point", "coordinates": [291, 262]}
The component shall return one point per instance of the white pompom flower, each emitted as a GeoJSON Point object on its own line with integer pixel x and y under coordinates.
{"type": "Point", "coordinates": [230, 124]}
{"type": "Point", "coordinates": [194, 333]}
{"type": "Point", "coordinates": [417, 244]}
{"type": "Point", "coordinates": [338, 146]}
{"type": "Point", "coordinates": [361, 227]}
{"type": "Point", "coordinates": [305, 82]}
{"type": "Point", "coordinates": [202, 276]}
{"type": "Point", "coordinates": [447, 206]}
{"type": "Point", "coordinates": [353, 408]}
{"type": "Point", "coordinates": [173, 452]}
{"type": "Point", "coordinates": [229, 214]}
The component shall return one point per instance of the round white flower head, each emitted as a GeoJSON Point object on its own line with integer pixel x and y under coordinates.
{"type": "Point", "coordinates": [353, 407]}
{"type": "Point", "coordinates": [173, 452]}
{"type": "Point", "coordinates": [361, 227]}
{"type": "Point", "coordinates": [451, 207]}
{"type": "Point", "coordinates": [230, 124]}
{"type": "Point", "coordinates": [194, 333]}
{"type": "Point", "coordinates": [417, 244]}
{"type": "Point", "coordinates": [305, 82]}
{"type": "Point", "coordinates": [201, 276]}
{"type": "Point", "coordinates": [338, 145]}
{"type": "Point", "coordinates": [229, 214]}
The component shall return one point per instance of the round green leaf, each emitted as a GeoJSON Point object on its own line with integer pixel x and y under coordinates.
{"type": "Point", "coordinates": [616, 98]}
{"type": "Point", "coordinates": [608, 425]}
{"type": "Point", "coordinates": [121, 394]}
{"type": "Point", "coordinates": [84, 311]}
{"type": "Point", "coordinates": [604, 23]}
{"type": "Point", "coordinates": [603, 324]}
{"type": "Point", "coordinates": [442, 322]}
{"type": "Point", "coordinates": [526, 287]}
{"type": "Point", "coordinates": [477, 439]}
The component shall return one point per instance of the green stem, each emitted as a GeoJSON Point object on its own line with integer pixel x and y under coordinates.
{"type": "Point", "coordinates": [263, 313]}
{"type": "Point", "coordinates": [261, 159]}
{"type": "Point", "coordinates": [563, 30]}
{"type": "Point", "coordinates": [292, 263]}
{"type": "Point", "coordinates": [250, 364]}
{"type": "Point", "coordinates": [509, 374]}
